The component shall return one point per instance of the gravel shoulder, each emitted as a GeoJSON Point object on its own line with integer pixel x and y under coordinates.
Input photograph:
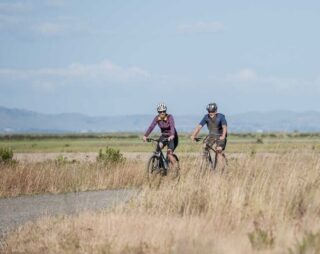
{"type": "Point", "coordinates": [17, 211]}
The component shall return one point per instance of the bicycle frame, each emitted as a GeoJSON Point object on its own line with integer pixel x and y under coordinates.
{"type": "Point", "coordinates": [163, 160]}
{"type": "Point", "coordinates": [159, 163]}
{"type": "Point", "coordinates": [208, 157]}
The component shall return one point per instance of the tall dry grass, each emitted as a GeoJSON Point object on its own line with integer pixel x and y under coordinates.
{"type": "Point", "coordinates": [61, 176]}
{"type": "Point", "coordinates": [265, 204]}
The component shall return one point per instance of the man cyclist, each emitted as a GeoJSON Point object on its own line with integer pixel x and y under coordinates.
{"type": "Point", "coordinates": [169, 135]}
{"type": "Point", "coordinates": [217, 126]}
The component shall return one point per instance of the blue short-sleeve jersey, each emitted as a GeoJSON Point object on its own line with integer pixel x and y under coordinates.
{"type": "Point", "coordinates": [214, 125]}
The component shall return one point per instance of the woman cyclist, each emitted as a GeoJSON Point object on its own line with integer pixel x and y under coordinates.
{"type": "Point", "coordinates": [169, 135]}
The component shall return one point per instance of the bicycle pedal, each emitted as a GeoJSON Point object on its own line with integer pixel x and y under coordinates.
{"type": "Point", "coordinates": [163, 172]}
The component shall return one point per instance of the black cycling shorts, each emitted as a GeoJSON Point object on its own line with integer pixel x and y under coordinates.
{"type": "Point", "coordinates": [212, 140]}
{"type": "Point", "coordinates": [172, 144]}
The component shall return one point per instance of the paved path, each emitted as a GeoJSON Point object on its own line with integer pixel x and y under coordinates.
{"type": "Point", "coordinates": [19, 210]}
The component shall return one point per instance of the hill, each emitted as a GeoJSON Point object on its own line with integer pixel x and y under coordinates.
{"type": "Point", "coordinates": [24, 121]}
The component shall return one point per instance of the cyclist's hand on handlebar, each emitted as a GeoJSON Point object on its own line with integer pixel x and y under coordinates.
{"type": "Point", "coordinates": [144, 138]}
{"type": "Point", "coordinates": [171, 137]}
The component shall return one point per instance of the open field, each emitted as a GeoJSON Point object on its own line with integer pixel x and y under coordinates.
{"type": "Point", "coordinates": [132, 143]}
{"type": "Point", "coordinates": [267, 201]}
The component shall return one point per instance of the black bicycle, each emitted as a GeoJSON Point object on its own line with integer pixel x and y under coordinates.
{"type": "Point", "coordinates": [159, 165]}
{"type": "Point", "coordinates": [211, 157]}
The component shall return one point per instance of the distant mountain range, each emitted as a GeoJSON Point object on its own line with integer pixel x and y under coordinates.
{"type": "Point", "coordinates": [24, 121]}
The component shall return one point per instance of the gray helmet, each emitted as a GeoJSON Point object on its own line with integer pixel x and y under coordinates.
{"type": "Point", "coordinates": [161, 107]}
{"type": "Point", "coordinates": [212, 107]}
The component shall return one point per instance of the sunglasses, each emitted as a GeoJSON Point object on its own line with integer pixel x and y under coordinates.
{"type": "Point", "coordinates": [161, 112]}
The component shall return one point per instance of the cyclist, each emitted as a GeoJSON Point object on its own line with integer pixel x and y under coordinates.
{"type": "Point", "coordinates": [169, 135]}
{"type": "Point", "coordinates": [217, 126]}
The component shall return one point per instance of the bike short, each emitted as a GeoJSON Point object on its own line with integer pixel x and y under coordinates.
{"type": "Point", "coordinates": [212, 140]}
{"type": "Point", "coordinates": [172, 144]}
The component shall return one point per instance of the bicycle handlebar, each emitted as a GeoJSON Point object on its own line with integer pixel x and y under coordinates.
{"type": "Point", "coordinates": [198, 139]}
{"type": "Point", "coordinates": [157, 140]}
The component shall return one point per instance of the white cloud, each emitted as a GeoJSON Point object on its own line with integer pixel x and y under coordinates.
{"type": "Point", "coordinates": [60, 26]}
{"type": "Point", "coordinates": [247, 78]}
{"type": "Point", "coordinates": [201, 27]}
{"type": "Point", "coordinates": [15, 7]}
{"type": "Point", "coordinates": [50, 29]}
{"type": "Point", "coordinates": [55, 3]}
{"type": "Point", "coordinates": [104, 72]}
{"type": "Point", "coordinates": [8, 20]}
{"type": "Point", "coordinates": [245, 74]}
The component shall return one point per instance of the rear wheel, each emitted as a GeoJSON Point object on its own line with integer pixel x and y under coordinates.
{"type": "Point", "coordinates": [174, 170]}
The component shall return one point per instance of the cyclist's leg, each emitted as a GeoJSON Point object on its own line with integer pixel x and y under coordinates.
{"type": "Point", "coordinates": [171, 148]}
{"type": "Point", "coordinates": [173, 159]}
{"type": "Point", "coordinates": [221, 157]}
{"type": "Point", "coordinates": [161, 144]}
{"type": "Point", "coordinates": [205, 158]}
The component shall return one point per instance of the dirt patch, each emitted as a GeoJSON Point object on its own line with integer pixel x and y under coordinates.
{"type": "Point", "coordinates": [73, 156]}
{"type": "Point", "coordinates": [91, 156]}
{"type": "Point", "coordinates": [17, 211]}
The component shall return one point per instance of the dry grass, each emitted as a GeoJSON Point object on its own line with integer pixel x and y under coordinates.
{"type": "Point", "coordinates": [62, 176]}
{"type": "Point", "coordinates": [265, 204]}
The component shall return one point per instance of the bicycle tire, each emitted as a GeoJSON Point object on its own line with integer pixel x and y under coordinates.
{"type": "Point", "coordinates": [174, 171]}
{"type": "Point", "coordinates": [154, 171]}
{"type": "Point", "coordinates": [207, 165]}
{"type": "Point", "coordinates": [213, 161]}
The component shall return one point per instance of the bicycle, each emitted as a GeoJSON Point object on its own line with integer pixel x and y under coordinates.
{"type": "Point", "coordinates": [160, 165]}
{"type": "Point", "coordinates": [210, 161]}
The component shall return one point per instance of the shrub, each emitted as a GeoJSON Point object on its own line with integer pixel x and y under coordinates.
{"type": "Point", "coordinates": [110, 156]}
{"type": "Point", "coordinates": [6, 155]}
{"type": "Point", "coordinates": [259, 141]}
{"type": "Point", "coordinates": [309, 244]}
{"type": "Point", "coordinates": [261, 239]}
{"type": "Point", "coordinates": [60, 160]}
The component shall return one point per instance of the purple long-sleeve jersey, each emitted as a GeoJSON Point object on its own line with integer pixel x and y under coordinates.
{"type": "Point", "coordinates": [166, 125]}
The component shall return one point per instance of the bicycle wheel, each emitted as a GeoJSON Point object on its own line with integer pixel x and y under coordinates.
{"type": "Point", "coordinates": [207, 164]}
{"type": "Point", "coordinates": [174, 170]}
{"type": "Point", "coordinates": [154, 171]}
{"type": "Point", "coordinates": [213, 160]}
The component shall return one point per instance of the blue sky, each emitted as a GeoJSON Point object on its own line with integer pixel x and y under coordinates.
{"type": "Point", "coordinates": [123, 57]}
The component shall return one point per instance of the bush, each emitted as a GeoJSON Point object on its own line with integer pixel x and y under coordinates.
{"type": "Point", "coordinates": [110, 156]}
{"type": "Point", "coordinates": [261, 239]}
{"type": "Point", "coordinates": [309, 244]}
{"type": "Point", "coordinates": [259, 141]}
{"type": "Point", "coordinates": [60, 160]}
{"type": "Point", "coordinates": [6, 155]}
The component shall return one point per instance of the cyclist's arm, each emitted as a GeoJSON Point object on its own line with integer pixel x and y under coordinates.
{"type": "Point", "coordinates": [224, 132]}
{"type": "Point", "coordinates": [151, 127]}
{"type": "Point", "coordinates": [196, 131]}
{"type": "Point", "coordinates": [172, 126]}
{"type": "Point", "coordinates": [224, 128]}
{"type": "Point", "coordinates": [198, 128]}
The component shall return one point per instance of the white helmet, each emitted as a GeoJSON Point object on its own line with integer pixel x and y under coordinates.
{"type": "Point", "coordinates": [161, 107]}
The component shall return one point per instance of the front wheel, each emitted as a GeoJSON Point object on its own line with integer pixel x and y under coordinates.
{"type": "Point", "coordinates": [208, 163]}
{"type": "Point", "coordinates": [154, 171]}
